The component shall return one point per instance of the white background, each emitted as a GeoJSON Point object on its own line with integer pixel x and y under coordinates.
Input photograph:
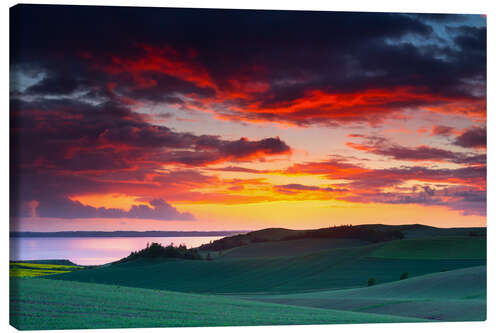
{"type": "Point", "coordinates": [424, 6]}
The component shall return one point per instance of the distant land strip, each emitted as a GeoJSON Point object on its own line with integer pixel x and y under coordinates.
{"type": "Point", "coordinates": [33, 234]}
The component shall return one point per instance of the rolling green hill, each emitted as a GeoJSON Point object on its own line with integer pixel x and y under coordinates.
{"type": "Point", "coordinates": [290, 248]}
{"type": "Point", "coordinates": [427, 248]}
{"type": "Point", "coordinates": [451, 296]}
{"type": "Point", "coordinates": [364, 233]}
{"type": "Point", "coordinates": [331, 269]}
{"type": "Point", "coordinates": [434, 248]}
{"type": "Point", "coordinates": [412, 231]}
{"type": "Point", "coordinates": [278, 277]}
{"type": "Point", "coordinates": [38, 303]}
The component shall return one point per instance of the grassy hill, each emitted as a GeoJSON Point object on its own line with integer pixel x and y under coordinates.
{"type": "Point", "coordinates": [290, 248]}
{"type": "Point", "coordinates": [452, 296]}
{"type": "Point", "coordinates": [449, 248]}
{"type": "Point", "coordinates": [259, 236]}
{"type": "Point", "coordinates": [38, 303]}
{"type": "Point", "coordinates": [330, 269]}
{"type": "Point", "coordinates": [411, 231]}
{"type": "Point", "coordinates": [275, 276]}
{"type": "Point", "coordinates": [364, 233]}
{"type": "Point", "coordinates": [426, 248]}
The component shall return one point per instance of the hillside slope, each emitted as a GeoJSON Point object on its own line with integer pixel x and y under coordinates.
{"type": "Point", "coordinates": [451, 296]}
{"type": "Point", "coordinates": [364, 233]}
{"type": "Point", "coordinates": [289, 248]}
{"type": "Point", "coordinates": [448, 247]}
{"type": "Point", "coordinates": [331, 269]}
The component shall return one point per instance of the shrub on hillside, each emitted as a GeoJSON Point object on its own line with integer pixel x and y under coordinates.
{"type": "Point", "coordinates": [404, 276]}
{"type": "Point", "coordinates": [371, 281]}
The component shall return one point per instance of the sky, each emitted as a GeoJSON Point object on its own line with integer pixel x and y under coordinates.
{"type": "Point", "coordinates": [183, 119]}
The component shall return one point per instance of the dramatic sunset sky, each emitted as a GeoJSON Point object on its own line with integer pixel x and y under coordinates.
{"type": "Point", "coordinates": [183, 119]}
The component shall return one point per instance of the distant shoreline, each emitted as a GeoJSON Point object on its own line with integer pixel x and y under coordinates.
{"type": "Point", "coordinates": [74, 234]}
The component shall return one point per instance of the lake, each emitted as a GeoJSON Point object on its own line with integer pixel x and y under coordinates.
{"type": "Point", "coordinates": [91, 250]}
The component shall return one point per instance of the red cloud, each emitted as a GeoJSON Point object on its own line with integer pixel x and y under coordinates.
{"type": "Point", "coordinates": [249, 94]}
{"type": "Point", "coordinates": [164, 60]}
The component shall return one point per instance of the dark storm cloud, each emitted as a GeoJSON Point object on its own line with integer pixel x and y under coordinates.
{"type": "Point", "coordinates": [162, 88]}
{"type": "Point", "coordinates": [472, 138]}
{"type": "Point", "coordinates": [64, 85]}
{"type": "Point", "coordinates": [241, 65]}
{"type": "Point", "coordinates": [471, 38]}
{"type": "Point", "coordinates": [441, 17]}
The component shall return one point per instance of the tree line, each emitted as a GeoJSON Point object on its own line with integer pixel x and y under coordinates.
{"type": "Point", "coordinates": [156, 250]}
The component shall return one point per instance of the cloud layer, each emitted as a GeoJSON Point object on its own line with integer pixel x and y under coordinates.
{"type": "Point", "coordinates": [86, 100]}
{"type": "Point", "coordinates": [361, 67]}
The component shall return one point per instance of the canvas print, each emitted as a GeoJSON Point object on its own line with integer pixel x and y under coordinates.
{"type": "Point", "coordinates": [176, 167]}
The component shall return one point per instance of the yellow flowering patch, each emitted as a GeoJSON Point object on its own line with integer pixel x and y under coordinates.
{"type": "Point", "coordinates": [22, 272]}
{"type": "Point", "coordinates": [22, 269]}
{"type": "Point", "coordinates": [43, 266]}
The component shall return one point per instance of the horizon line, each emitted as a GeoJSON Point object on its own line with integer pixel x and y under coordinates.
{"type": "Point", "coordinates": [242, 230]}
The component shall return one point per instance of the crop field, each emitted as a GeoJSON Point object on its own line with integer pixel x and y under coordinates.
{"type": "Point", "coordinates": [38, 303]}
{"type": "Point", "coordinates": [27, 269]}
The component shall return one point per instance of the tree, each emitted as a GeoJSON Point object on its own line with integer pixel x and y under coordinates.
{"type": "Point", "coordinates": [404, 276]}
{"type": "Point", "coordinates": [371, 281]}
{"type": "Point", "coordinates": [209, 257]}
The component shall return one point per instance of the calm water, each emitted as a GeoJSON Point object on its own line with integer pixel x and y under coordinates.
{"type": "Point", "coordinates": [89, 250]}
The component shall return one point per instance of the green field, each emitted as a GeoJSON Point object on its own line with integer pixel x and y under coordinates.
{"type": "Point", "coordinates": [290, 248]}
{"type": "Point", "coordinates": [456, 295]}
{"type": "Point", "coordinates": [449, 248]}
{"type": "Point", "coordinates": [38, 303]}
{"type": "Point", "coordinates": [302, 281]}
{"type": "Point", "coordinates": [329, 269]}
